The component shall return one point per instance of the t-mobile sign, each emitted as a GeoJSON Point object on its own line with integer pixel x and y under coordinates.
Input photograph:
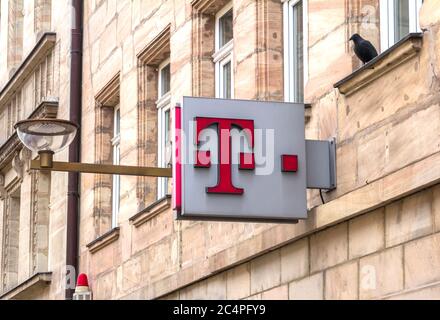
{"type": "Point", "coordinates": [239, 160]}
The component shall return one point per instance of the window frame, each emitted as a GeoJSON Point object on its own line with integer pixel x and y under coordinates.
{"type": "Point", "coordinates": [290, 88]}
{"type": "Point", "coordinates": [387, 21]}
{"type": "Point", "coordinates": [222, 55]}
{"type": "Point", "coordinates": [116, 151]}
{"type": "Point", "coordinates": [163, 105]}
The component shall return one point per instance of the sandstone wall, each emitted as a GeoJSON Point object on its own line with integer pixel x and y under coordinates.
{"type": "Point", "coordinates": [376, 237]}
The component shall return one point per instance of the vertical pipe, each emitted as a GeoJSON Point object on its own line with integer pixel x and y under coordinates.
{"type": "Point", "coordinates": [74, 149]}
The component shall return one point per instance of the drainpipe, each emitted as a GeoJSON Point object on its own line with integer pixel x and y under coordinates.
{"type": "Point", "coordinates": [74, 149]}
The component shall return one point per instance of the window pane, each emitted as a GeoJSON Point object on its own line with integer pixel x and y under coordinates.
{"type": "Point", "coordinates": [298, 50]}
{"type": "Point", "coordinates": [117, 122]}
{"type": "Point", "coordinates": [227, 83]}
{"type": "Point", "coordinates": [401, 21]}
{"type": "Point", "coordinates": [165, 80]}
{"type": "Point", "coordinates": [225, 28]}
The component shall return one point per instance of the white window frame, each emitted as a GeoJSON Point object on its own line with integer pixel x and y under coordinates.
{"type": "Point", "coordinates": [116, 184]}
{"type": "Point", "coordinates": [289, 52]}
{"type": "Point", "coordinates": [222, 55]}
{"type": "Point", "coordinates": [387, 17]}
{"type": "Point", "coordinates": [163, 105]}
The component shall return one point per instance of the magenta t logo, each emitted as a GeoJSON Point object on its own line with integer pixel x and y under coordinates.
{"type": "Point", "coordinates": [203, 158]}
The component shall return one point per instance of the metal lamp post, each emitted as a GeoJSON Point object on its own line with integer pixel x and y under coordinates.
{"type": "Point", "coordinates": [49, 136]}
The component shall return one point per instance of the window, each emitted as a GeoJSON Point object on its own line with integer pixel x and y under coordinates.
{"type": "Point", "coordinates": [116, 186]}
{"type": "Point", "coordinates": [224, 74]}
{"type": "Point", "coordinates": [164, 124]}
{"type": "Point", "coordinates": [397, 19]}
{"type": "Point", "coordinates": [295, 50]}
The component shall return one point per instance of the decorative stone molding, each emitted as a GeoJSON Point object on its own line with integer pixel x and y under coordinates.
{"type": "Point", "coordinates": [404, 50]}
{"type": "Point", "coordinates": [39, 234]}
{"type": "Point", "coordinates": [148, 61]}
{"type": "Point", "coordinates": [151, 211]}
{"type": "Point", "coordinates": [2, 187]}
{"type": "Point", "coordinates": [269, 52]}
{"type": "Point", "coordinates": [105, 102]}
{"type": "Point", "coordinates": [103, 241]}
{"type": "Point", "coordinates": [21, 161]}
{"type": "Point", "coordinates": [18, 165]}
{"type": "Point", "coordinates": [46, 109]}
{"type": "Point", "coordinates": [110, 94]}
{"type": "Point", "coordinates": [157, 50]}
{"type": "Point", "coordinates": [203, 47]}
{"type": "Point", "coordinates": [24, 290]}
{"type": "Point", "coordinates": [8, 149]}
{"type": "Point", "coordinates": [208, 6]}
{"type": "Point", "coordinates": [40, 51]}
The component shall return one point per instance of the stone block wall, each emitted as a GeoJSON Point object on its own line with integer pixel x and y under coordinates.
{"type": "Point", "coordinates": [364, 243]}
{"type": "Point", "coordinates": [373, 256]}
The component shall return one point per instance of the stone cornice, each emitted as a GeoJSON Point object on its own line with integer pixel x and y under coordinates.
{"type": "Point", "coordinates": [401, 52]}
{"type": "Point", "coordinates": [109, 95]}
{"type": "Point", "coordinates": [208, 6]}
{"type": "Point", "coordinates": [46, 109]}
{"type": "Point", "coordinates": [43, 46]}
{"type": "Point", "coordinates": [39, 280]}
{"type": "Point", "coordinates": [157, 50]}
{"type": "Point", "coordinates": [103, 241]}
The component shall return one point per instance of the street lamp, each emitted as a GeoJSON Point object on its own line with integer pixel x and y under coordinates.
{"type": "Point", "coordinates": [46, 137]}
{"type": "Point", "coordinates": [49, 136]}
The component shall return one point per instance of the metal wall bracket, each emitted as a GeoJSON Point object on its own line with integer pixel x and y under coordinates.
{"type": "Point", "coordinates": [321, 164]}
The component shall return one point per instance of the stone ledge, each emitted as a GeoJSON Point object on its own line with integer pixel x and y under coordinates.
{"type": "Point", "coordinates": [103, 241]}
{"type": "Point", "coordinates": [22, 290]}
{"type": "Point", "coordinates": [151, 211]}
{"type": "Point", "coordinates": [401, 52]}
{"type": "Point", "coordinates": [46, 43]}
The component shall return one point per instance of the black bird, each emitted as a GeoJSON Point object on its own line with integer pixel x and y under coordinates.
{"type": "Point", "coordinates": [363, 48]}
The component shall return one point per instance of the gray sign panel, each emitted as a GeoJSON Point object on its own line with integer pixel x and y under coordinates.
{"type": "Point", "coordinates": [270, 187]}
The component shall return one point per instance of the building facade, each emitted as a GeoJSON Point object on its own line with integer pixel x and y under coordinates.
{"type": "Point", "coordinates": [34, 81]}
{"type": "Point", "coordinates": [375, 237]}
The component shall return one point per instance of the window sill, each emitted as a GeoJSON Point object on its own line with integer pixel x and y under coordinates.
{"type": "Point", "coordinates": [151, 211]}
{"type": "Point", "coordinates": [24, 290]}
{"type": "Point", "coordinates": [401, 52]}
{"type": "Point", "coordinates": [103, 241]}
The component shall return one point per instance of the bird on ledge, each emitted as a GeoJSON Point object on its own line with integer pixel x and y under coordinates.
{"type": "Point", "coordinates": [364, 50]}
